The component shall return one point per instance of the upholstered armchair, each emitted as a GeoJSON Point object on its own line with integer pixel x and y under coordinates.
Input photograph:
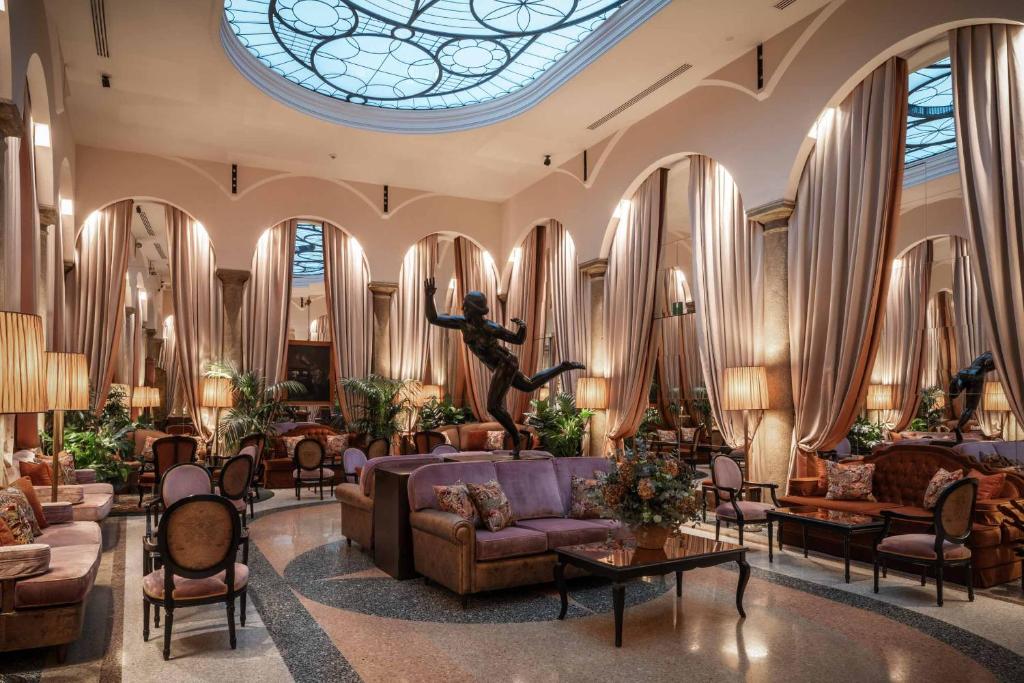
{"type": "Point", "coordinates": [180, 481]}
{"type": "Point", "coordinates": [168, 451]}
{"type": "Point", "coordinates": [946, 546]}
{"type": "Point", "coordinates": [352, 461]}
{"type": "Point", "coordinates": [729, 488]}
{"type": "Point", "coordinates": [309, 467]}
{"type": "Point", "coordinates": [236, 480]}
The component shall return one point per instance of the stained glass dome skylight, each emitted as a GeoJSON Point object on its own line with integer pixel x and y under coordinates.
{"type": "Point", "coordinates": [930, 126]}
{"type": "Point", "coordinates": [422, 55]}
{"type": "Point", "coordinates": [308, 262]}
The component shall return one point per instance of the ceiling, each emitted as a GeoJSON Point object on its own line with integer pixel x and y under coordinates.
{"type": "Point", "coordinates": [174, 92]}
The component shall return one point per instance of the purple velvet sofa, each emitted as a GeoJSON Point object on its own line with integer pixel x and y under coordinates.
{"type": "Point", "coordinates": [449, 550]}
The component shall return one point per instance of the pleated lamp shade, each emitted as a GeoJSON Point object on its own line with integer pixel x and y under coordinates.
{"type": "Point", "coordinates": [745, 388]}
{"type": "Point", "coordinates": [67, 381]}
{"type": "Point", "coordinates": [881, 397]}
{"type": "Point", "coordinates": [216, 393]}
{"type": "Point", "coordinates": [22, 363]}
{"type": "Point", "coordinates": [592, 393]}
{"type": "Point", "coordinates": [145, 397]}
{"type": "Point", "coordinates": [994, 398]}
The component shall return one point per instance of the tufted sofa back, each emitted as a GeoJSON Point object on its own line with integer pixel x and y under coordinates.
{"type": "Point", "coordinates": [902, 472]}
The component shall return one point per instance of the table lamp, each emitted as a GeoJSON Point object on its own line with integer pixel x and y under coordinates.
{"type": "Point", "coordinates": [993, 400]}
{"type": "Point", "coordinates": [745, 390]}
{"type": "Point", "coordinates": [22, 364]}
{"type": "Point", "coordinates": [67, 388]}
{"type": "Point", "coordinates": [592, 394]}
{"type": "Point", "coordinates": [145, 397]}
{"type": "Point", "coordinates": [217, 394]}
{"type": "Point", "coordinates": [880, 397]}
{"type": "Point", "coordinates": [428, 393]}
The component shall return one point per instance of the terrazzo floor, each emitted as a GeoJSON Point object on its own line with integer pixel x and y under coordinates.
{"type": "Point", "coordinates": [320, 611]}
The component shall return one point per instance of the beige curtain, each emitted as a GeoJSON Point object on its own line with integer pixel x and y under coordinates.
{"type": "Point", "coordinates": [169, 363]}
{"type": "Point", "coordinates": [567, 293]}
{"type": "Point", "coordinates": [728, 290]}
{"type": "Point", "coordinates": [197, 308]}
{"type": "Point", "coordinates": [320, 329]}
{"type": "Point", "coordinates": [971, 336]}
{"type": "Point", "coordinates": [444, 344]}
{"type": "Point", "coordinates": [410, 332]}
{"type": "Point", "coordinates": [267, 302]}
{"type": "Point", "coordinates": [97, 292]}
{"type": "Point", "coordinates": [474, 271]}
{"type": "Point", "coordinates": [525, 301]}
{"type": "Point", "coordinates": [988, 97]}
{"type": "Point", "coordinates": [840, 252]}
{"type": "Point", "coordinates": [940, 360]}
{"type": "Point", "coordinates": [349, 307]}
{"type": "Point", "coordinates": [629, 294]}
{"type": "Point", "coordinates": [679, 356]}
{"type": "Point", "coordinates": [901, 348]}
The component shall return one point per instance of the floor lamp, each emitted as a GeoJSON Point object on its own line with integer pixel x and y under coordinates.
{"type": "Point", "coordinates": [994, 400]}
{"type": "Point", "coordinates": [22, 364]}
{"type": "Point", "coordinates": [216, 394]}
{"type": "Point", "coordinates": [881, 398]}
{"type": "Point", "coordinates": [592, 394]}
{"type": "Point", "coordinates": [67, 388]}
{"type": "Point", "coordinates": [145, 397]}
{"type": "Point", "coordinates": [746, 390]}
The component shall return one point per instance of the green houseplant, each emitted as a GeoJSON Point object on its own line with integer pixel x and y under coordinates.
{"type": "Point", "coordinates": [436, 413]}
{"type": "Point", "coordinates": [930, 411]}
{"type": "Point", "coordinates": [380, 402]}
{"type": "Point", "coordinates": [258, 404]}
{"type": "Point", "coordinates": [99, 441]}
{"type": "Point", "coordinates": [559, 424]}
{"type": "Point", "coordinates": [864, 435]}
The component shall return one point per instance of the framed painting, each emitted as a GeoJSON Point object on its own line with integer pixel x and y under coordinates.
{"type": "Point", "coordinates": [309, 362]}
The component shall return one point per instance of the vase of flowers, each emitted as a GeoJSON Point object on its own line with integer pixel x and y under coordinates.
{"type": "Point", "coordinates": [651, 495]}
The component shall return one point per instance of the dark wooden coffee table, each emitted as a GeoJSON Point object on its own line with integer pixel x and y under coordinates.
{"type": "Point", "coordinates": [622, 561]}
{"type": "Point", "coordinates": [846, 524]}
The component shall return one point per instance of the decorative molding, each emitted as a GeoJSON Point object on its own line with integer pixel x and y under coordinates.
{"type": "Point", "coordinates": [383, 288]}
{"type": "Point", "coordinates": [47, 216]}
{"type": "Point", "coordinates": [594, 268]}
{"type": "Point", "coordinates": [617, 27]}
{"type": "Point", "coordinates": [774, 215]}
{"type": "Point", "coordinates": [11, 124]}
{"type": "Point", "coordinates": [924, 170]}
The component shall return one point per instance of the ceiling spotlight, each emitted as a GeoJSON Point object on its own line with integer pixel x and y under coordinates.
{"type": "Point", "coordinates": [105, 80]}
{"type": "Point", "coordinates": [332, 156]}
{"type": "Point", "coordinates": [547, 159]}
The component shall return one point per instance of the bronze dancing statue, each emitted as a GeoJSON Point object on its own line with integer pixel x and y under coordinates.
{"type": "Point", "coordinates": [482, 336]}
{"type": "Point", "coordinates": [970, 381]}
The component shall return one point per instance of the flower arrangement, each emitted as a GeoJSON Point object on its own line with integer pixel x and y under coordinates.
{"type": "Point", "coordinates": [642, 489]}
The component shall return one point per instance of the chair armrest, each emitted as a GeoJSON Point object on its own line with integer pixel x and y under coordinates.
{"type": "Point", "coordinates": [23, 561]}
{"type": "Point", "coordinates": [85, 476]}
{"type": "Point", "coordinates": [446, 525]}
{"type": "Point", "coordinates": [58, 513]}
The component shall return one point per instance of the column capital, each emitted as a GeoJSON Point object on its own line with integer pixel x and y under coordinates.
{"type": "Point", "coordinates": [11, 125]}
{"type": "Point", "coordinates": [383, 288]}
{"type": "Point", "coordinates": [47, 216]}
{"type": "Point", "coordinates": [595, 267]}
{"type": "Point", "coordinates": [129, 310]}
{"type": "Point", "coordinates": [228, 276]}
{"type": "Point", "coordinates": [774, 215]}
{"type": "Point", "coordinates": [150, 332]}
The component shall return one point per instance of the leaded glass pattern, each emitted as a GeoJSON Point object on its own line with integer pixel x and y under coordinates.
{"type": "Point", "coordinates": [930, 126]}
{"type": "Point", "coordinates": [308, 262]}
{"type": "Point", "coordinates": [414, 54]}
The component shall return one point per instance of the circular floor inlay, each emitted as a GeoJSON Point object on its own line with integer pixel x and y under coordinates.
{"type": "Point", "coordinates": [346, 578]}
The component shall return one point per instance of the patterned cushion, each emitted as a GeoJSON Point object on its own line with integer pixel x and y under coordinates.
{"type": "Point", "coordinates": [939, 481]}
{"type": "Point", "coordinates": [16, 516]}
{"type": "Point", "coordinates": [39, 472]}
{"type": "Point", "coordinates": [336, 445]}
{"type": "Point", "coordinates": [25, 486]}
{"type": "Point", "coordinates": [495, 440]}
{"type": "Point", "coordinates": [290, 442]}
{"type": "Point", "coordinates": [491, 504]}
{"type": "Point", "coordinates": [147, 447]}
{"type": "Point", "coordinates": [688, 434]}
{"type": "Point", "coordinates": [583, 494]}
{"type": "Point", "coordinates": [6, 537]}
{"type": "Point", "coordinates": [668, 435]}
{"type": "Point", "coordinates": [66, 463]}
{"type": "Point", "coordinates": [849, 482]}
{"type": "Point", "coordinates": [989, 486]}
{"type": "Point", "coordinates": [455, 499]}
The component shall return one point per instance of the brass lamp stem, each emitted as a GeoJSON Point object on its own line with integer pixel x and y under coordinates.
{"type": "Point", "coordinates": [58, 446]}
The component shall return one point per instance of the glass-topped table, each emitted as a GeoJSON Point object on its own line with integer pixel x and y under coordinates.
{"type": "Point", "coordinates": [621, 560]}
{"type": "Point", "coordinates": [846, 524]}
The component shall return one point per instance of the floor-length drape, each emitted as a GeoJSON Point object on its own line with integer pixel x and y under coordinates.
{"type": "Point", "coordinates": [971, 336]}
{"type": "Point", "coordinates": [197, 308]}
{"type": "Point", "coordinates": [678, 358]}
{"type": "Point", "coordinates": [728, 290]}
{"type": "Point", "coordinates": [988, 97]}
{"type": "Point", "coordinates": [629, 295]}
{"type": "Point", "coordinates": [168, 362]}
{"type": "Point", "coordinates": [525, 301]}
{"type": "Point", "coordinates": [349, 307]}
{"type": "Point", "coordinates": [475, 271]}
{"type": "Point", "coordinates": [410, 332]}
{"type": "Point", "coordinates": [901, 348]}
{"type": "Point", "coordinates": [98, 292]}
{"type": "Point", "coordinates": [567, 294]}
{"type": "Point", "coordinates": [267, 303]}
{"type": "Point", "coordinates": [840, 252]}
{"type": "Point", "coordinates": [940, 361]}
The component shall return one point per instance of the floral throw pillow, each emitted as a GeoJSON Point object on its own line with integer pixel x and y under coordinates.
{"type": "Point", "coordinates": [491, 504]}
{"type": "Point", "coordinates": [687, 434]}
{"type": "Point", "coordinates": [585, 498]}
{"type": "Point", "coordinates": [666, 435]}
{"type": "Point", "coordinates": [336, 444]}
{"type": "Point", "coordinates": [455, 499]}
{"type": "Point", "coordinates": [290, 442]}
{"type": "Point", "coordinates": [495, 440]}
{"type": "Point", "coordinates": [12, 496]}
{"type": "Point", "coordinates": [15, 522]}
{"type": "Point", "coordinates": [66, 463]}
{"type": "Point", "coordinates": [849, 482]}
{"type": "Point", "coordinates": [939, 481]}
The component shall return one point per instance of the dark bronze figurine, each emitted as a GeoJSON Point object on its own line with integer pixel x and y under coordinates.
{"type": "Point", "coordinates": [970, 381]}
{"type": "Point", "coordinates": [482, 336]}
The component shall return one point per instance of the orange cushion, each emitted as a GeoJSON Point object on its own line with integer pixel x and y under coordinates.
{"type": "Point", "coordinates": [38, 472]}
{"type": "Point", "coordinates": [990, 485]}
{"type": "Point", "coordinates": [474, 440]}
{"type": "Point", "coordinates": [6, 537]}
{"type": "Point", "coordinates": [25, 486]}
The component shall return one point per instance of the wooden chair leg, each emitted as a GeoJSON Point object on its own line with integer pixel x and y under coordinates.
{"type": "Point", "coordinates": [241, 604]}
{"type": "Point", "coordinates": [231, 623]}
{"type": "Point", "coordinates": [924, 575]}
{"type": "Point", "coordinates": [740, 525]}
{"type": "Point", "coordinates": [169, 622]}
{"type": "Point", "coordinates": [970, 582]}
{"type": "Point", "coordinates": [145, 620]}
{"type": "Point", "coordinates": [718, 528]}
{"type": "Point", "coordinates": [938, 583]}
{"type": "Point", "coordinates": [876, 573]}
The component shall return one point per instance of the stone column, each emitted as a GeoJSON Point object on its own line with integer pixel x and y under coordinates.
{"type": "Point", "coordinates": [382, 293]}
{"type": "Point", "coordinates": [232, 289]}
{"type": "Point", "coordinates": [11, 131]}
{"type": "Point", "coordinates": [775, 435]}
{"type": "Point", "coordinates": [597, 365]}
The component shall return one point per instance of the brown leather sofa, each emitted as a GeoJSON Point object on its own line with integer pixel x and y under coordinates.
{"type": "Point", "coordinates": [472, 436]}
{"type": "Point", "coordinates": [278, 466]}
{"type": "Point", "coordinates": [902, 473]}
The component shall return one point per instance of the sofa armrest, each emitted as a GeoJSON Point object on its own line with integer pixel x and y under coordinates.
{"type": "Point", "coordinates": [803, 486]}
{"type": "Point", "coordinates": [58, 513]}
{"type": "Point", "coordinates": [69, 493]}
{"type": "Point", "coordinates": [23, 561]}
{"type": "Point", "coordinates": [352, 494]}
{"type": "Point", "coordinates": [446, 525]}
{"type": "Point", "coordinates": [85, 476]}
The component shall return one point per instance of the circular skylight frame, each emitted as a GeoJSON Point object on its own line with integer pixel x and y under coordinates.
{"type": "Point", "coordinates": [622, 21]}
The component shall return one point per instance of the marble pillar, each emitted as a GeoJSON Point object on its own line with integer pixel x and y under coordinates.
{"type": "Point", "coordinates": [597, 365]}
{"type": "Point", "coordinates": [232, 291]}
{"type": "Point", "coordinates": [775, 436]}
{"type": "Point", "coordinates": [11, 133]}
{"type": "Point", "coordinates": [382, 295]}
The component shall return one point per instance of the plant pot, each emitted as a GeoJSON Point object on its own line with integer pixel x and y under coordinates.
{"type": "Point", "coordinates": [650, 536]}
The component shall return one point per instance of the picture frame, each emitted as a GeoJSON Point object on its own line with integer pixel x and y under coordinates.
{"type": "Point", "coordinates": [312, 364]}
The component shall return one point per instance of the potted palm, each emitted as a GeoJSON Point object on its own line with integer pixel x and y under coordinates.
{"type": "Point", "coordinates": [559, 424]}
{"type": "Point", "coordinates": [258, 404]}
{"type": "Point", "coordinates": [380, 403]}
